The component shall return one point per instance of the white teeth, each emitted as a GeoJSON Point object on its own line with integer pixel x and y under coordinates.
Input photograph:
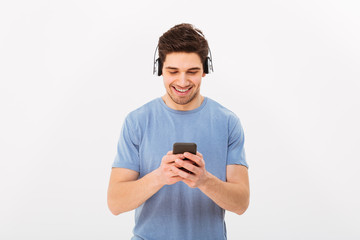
{"type": "Point", "coordinates": [181, 90]}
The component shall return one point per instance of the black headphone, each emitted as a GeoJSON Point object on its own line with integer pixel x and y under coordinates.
{"type": "Point", "coordinates": [158, 64]}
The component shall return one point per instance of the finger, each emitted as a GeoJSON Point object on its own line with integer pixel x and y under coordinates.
{"type": "Point", "coordinates": [174, 180]}
{"type": "Point", "coordinates": [182, 174]}
{"type": "Point", "coordinates": [171, 153]}
{"type": "Point", "coordinates": [195, 158]}
{"type": "Point", "coordinates": [177, 178]}
{"type": "Point", "coordinates": [172, 174]}
{"type": "Point", "coordinates": [171, 158]}
{"type": "Point", "coordinates": [176, 165]}
{"type": "Point", "coordinates": [189, 165]}
{"type": "Point", "coordinates": [201, 156]}
{"type": "Point", "coordinates": [181, 156]}
{"type": "Point", "coordinates": [167, 159]}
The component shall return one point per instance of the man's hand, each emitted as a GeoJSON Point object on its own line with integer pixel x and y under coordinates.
{"type": "Point", "coordinates": [165, 174]}
{"type": "Point", "coordinates": [199, 175]}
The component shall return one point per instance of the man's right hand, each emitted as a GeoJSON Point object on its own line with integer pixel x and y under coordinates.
{"type": "Point", "coordinates": [164, 173]}
{"type": "Point", "coordinates": [127, 192]}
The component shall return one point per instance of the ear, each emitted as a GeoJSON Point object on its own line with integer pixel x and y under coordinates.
{"type": "Point", "coordinates": [204, 74]}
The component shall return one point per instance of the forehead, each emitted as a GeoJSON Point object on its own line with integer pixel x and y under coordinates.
{"type": "Point", "coordinates": [182, 60]}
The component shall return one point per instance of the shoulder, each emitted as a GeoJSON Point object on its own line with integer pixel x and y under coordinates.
{"type": "Point", "coordinates": [137, 120]}
{"type": "Point", "coordinates": [142, 113]}
{"type": "Point", "coordinates": [219, 110]}
{"type": "Point", "coordinates": [223, 115]}
{"type": "Point", "coordinates": [144, 109]}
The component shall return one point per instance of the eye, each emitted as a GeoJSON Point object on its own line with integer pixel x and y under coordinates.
{"type": "Point", "coordinates": [193, 72]}
{"type": "Point", "coordinates": [173, 72]}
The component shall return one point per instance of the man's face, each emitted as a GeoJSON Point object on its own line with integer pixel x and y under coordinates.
{"type": "Point", "coordinates": [182, 73]}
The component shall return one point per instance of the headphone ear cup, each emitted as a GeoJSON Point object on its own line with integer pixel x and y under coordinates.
{"type": "Point", "coordinates": [206, 65]}
{"type": "Point", "coordinates": [160, 66]}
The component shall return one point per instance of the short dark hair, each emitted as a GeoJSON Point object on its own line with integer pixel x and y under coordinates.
{"type": "Point", "coordinates": [183, 38]}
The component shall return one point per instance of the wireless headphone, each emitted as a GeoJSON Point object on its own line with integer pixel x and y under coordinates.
{"type": "Point", "coordinates": [158, 64]}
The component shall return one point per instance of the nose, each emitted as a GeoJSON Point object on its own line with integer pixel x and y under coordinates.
{"type": "Point", "coordinates": [183, 80]}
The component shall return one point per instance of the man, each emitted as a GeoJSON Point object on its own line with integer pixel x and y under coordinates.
{"type": "Point", "coordinates": [171, 203]}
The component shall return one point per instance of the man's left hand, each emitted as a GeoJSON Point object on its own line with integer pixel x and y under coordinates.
{"type": "Point", "coordinates": [199, 175]}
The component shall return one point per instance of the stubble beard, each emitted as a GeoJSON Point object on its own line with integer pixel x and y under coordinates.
{"type": "Point", "coordinates": [183, 100]}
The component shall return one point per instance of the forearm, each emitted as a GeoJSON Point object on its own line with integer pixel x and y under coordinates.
{"type": "Point", "coordinates": [126, 196]}
{"type": "Point", "coordinates": [233, 197]}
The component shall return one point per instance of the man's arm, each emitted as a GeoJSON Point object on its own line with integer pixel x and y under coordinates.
{"type": "Point", "coordinates": [232, 195]}
{"type": "Point", "coordinates": [126, 192]}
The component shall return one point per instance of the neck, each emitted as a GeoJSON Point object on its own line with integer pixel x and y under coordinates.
{"type": "Point", "coordinates": [195, 103]}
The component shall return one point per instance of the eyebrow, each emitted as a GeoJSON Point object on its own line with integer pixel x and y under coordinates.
{"type": "Point", "coordinates": [190, 69]}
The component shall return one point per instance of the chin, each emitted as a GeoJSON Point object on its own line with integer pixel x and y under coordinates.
{"type": "Point", "coordinates": [184, 100]}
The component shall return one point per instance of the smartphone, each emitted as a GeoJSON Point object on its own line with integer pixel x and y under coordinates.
{"type": "Point", "coordinates": [181, 147]}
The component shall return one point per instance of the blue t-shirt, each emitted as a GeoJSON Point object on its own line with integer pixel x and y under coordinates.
{"type": "Point", "coordinates": [178, 212]}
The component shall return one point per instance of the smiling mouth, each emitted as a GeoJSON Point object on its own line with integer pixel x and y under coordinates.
{"type": "Point", "coordinates": [182, 90]}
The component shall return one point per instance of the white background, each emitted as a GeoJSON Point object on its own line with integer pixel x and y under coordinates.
{"type": "Point", "coordinates": [71, 70]}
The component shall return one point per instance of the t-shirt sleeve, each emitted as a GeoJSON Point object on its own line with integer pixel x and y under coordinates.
{"type": "Point", "coordinates": [236, 150]}
{"type": "Point", "coordinates": [127, 152]}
